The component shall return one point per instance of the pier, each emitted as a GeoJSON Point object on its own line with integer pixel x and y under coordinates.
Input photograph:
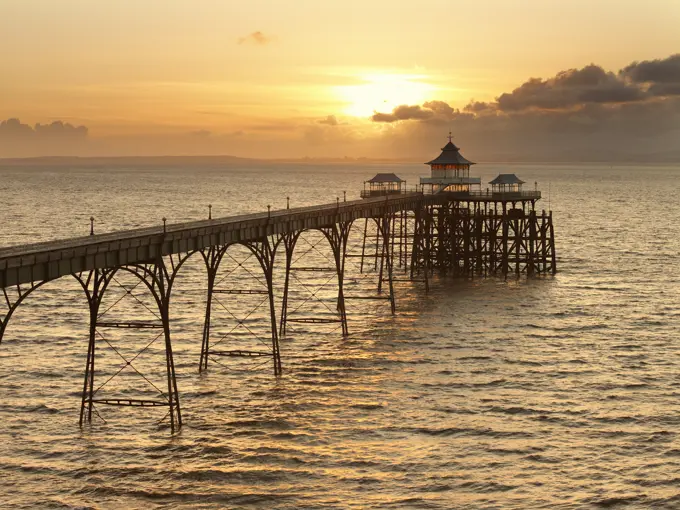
{"type": "Point", "coordinates": [396, 235]}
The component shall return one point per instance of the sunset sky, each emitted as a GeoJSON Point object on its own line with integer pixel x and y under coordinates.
{"type": "Point", "coordinates": [302, 77]}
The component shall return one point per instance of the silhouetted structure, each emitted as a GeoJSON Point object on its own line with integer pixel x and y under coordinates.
{"type": "Point", "coordinates": [506, 183]}
{"type": "Point", "coordinates": [450, 171]}
{"type": "Point", "coordinates": [383, 184]}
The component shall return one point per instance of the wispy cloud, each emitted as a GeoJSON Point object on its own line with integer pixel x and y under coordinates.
{"type": "Point", "coordinates": [331, 120]}
{"type": "Point", "coordinates": [256, 38]}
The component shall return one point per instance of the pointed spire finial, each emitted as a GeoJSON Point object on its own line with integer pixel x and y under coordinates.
{"type": "Point", "coordinates": [450, 136]}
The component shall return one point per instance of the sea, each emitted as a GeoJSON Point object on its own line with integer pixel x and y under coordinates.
{"type": "Point", "coordinates": [558, 392]}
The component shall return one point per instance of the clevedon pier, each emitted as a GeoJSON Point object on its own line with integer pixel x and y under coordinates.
{"type": "Point", "coordinates": [448, 225]}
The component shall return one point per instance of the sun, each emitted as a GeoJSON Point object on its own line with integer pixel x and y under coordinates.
{"type": "Point", "coordinates": [382, 93]}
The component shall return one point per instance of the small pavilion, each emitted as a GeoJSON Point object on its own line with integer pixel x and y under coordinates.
{"type": "Point", "coordinates": [506, 183]}
{"type": "Point", "coordinates": [383, 184]}
{"type": "Point", "coordinates": [450, 171]}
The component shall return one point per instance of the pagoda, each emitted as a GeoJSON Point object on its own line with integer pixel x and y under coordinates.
{"type": "Point", "coordinates": [383, 184]}
{"type": "Point", "coordinates": [451, 172]}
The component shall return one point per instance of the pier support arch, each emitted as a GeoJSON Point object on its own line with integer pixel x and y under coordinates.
{"type": "Point", "coordinates": [11, 299]}
{"type": "Point", "coordinates": [337, 236]}
{"type": "Point", "coordinates": [264, 250]}
{"type": "Point", "coordinates": [158, 280]}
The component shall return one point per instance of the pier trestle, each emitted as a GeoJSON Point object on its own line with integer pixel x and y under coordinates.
{"type": "Point", "coordinates": [470, 239]}
{"type": "Point", "coordinates": [158, 280]}
{"type": "Point", "coordinates": [413, 234]}
{"type": "Point", "coordinates": [336, 236]}
{"type": "Point", "coordinates": [264, 251]}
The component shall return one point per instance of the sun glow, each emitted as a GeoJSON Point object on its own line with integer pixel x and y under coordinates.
{"type": "Point", "coordinates": [383, 92]}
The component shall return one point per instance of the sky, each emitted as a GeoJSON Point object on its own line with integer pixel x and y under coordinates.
{"type": "Point", "coordinates": [357, 78]}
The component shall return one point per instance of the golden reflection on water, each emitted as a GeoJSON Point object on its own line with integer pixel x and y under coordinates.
{"type": "Point", "coordinates": [484, 393]}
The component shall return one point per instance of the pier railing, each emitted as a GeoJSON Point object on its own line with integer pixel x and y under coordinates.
{"type": "Point", "coordinates": [479, 195]}
{"type": "Point", "coordinates": [497, 195]}
{"type": "Point", "coordinates": [372, 193]}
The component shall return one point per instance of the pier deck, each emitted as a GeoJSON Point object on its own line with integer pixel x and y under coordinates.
{"type": "Point", "coordinates": [54, 259]}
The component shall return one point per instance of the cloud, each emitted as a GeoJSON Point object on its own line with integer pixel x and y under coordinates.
{"type": "Point", "coordinates": [586, 114]}
{"type": "Point", "coordinates": [13, 128]}
{"type": "Point", "coordinates": [569, 89]}
{"type": "Point", "coordinates": [439, 108]}
{"type": "Point", "coordinates": [480, 107]}
{"type": "Point", "coordinates": [665, 70]}
{"type": "Point", "coordinates": [637, 131]}
{"type": "Point", "coordinates": [661, 75]}
{"type": "Point", "coordinates": [57, 138]}
{"type": "Point", "coordinates": [331, 120]}
{"type": "Point", "coordinates": [431, 112]}
{"type": "Point", "coordinates": [403, 112]}
{"type": "Point", "coordinates": [61, 130]}
{"type": "Point", "coordinates": [256, 38]}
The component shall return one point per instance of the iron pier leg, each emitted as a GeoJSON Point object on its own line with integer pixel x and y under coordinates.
{"type": "Point", "coordinates": [363, 247]}
{"type": "Point", "coordinates": [385, 246]}
{"type": "Point", "coordinates": [553, 261]}
{"type": "Point", "coordinates": [94, 299]}
{"type": "Point", "coordinates": [428, 244]}
{"type": "Point", "coordinates": [289, 245]}
{"type": "Point", "coordinates": [340, 249]}
{"type": "Point", "coordinates": [388, 258]}
{"type": "Point", "coordinates": [377, 244]}
{"type": "Point", "coordinates": [276, 351]}
{"type": "Point", "coordinates": [205, 345]}
{"type": "Point", "coordinates": [531, 265]}
{"type": "Point", "coordinates": [518, 226]}
{"type": "Point", "coordinates": [164, 307]}
{"type": "Point", "coordinates": [544, 243]}
{"type": "Point", "coordinates": [266, 255]}
{"type": "Point", "coordinates": [401, 238]}
{"type": "Point", "coordinates": [393, 231]}
{"type": "Point", "coordinates": [212, 258]}
{"type": "Point", "coordinates": [505, 263]}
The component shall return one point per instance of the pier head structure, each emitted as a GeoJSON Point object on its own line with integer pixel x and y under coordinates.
{"type": "Point", "coordinates": [495, 231]}
{"type": "Point", "coordinates": [355, 250]}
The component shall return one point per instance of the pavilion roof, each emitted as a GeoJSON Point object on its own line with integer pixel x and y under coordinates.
{"type": "Point", "coordinates": [507, 179]}
{"type": "Point", "coordinates": [386, 178]}
{"type": "Point", "coordinates": [450, 156]}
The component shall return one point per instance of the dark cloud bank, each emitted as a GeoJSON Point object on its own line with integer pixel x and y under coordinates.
{"type": "Point", "coordinates": [587, 114]}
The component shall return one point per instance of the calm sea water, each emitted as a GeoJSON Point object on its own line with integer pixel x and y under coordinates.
{"type": "Point", "coordinates": [549, 393]}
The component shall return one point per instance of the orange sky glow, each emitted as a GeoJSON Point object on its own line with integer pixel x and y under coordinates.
{"type": "Point", "coordinates": [303, 76]}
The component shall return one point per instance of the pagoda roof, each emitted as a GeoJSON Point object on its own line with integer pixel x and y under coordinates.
{"type": "Point", "coordinates": [386, 178]}
{"type": "Point", "coordinates": [507, 179]}
{"type": "Point", "coordinates": [450, 156]}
